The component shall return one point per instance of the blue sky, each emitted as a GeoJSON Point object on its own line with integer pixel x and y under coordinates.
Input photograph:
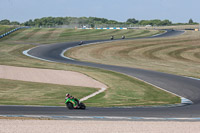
{"type": "Point", "coordinates": [120, 10]}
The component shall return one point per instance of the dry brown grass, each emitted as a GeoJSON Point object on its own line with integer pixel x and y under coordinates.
{"type": "Point", "coordinates": [178, 55]}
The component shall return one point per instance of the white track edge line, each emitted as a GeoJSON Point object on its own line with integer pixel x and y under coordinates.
{"type": "Point", "coordinates": [105, 117]}
{"type": "Point", "coordinates": [93, 94]}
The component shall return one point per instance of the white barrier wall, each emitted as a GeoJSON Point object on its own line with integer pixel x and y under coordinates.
{"type": "Point", "coordinates": [118, 28]}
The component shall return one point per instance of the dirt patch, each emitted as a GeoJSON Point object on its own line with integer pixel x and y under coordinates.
{"type": "Point", "coordinates": [66, 126]}
{"type": "Point", "coordinates": [49, 76]}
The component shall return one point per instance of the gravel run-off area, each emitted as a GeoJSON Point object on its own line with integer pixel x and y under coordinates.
{"type": "Point", "coordinates": [49, 76]}
{"type": "Point", "coordinates": [71, 126]}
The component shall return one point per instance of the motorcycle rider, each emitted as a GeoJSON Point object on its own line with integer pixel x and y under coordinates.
{"type": "Point", "coordinates": [72, 98]}
{"type": "Point", "coordinates": [67, 96]}
{"type": "Point", "coordinates": [81, 42]}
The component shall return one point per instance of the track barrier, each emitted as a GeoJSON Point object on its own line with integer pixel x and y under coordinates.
{"type": "Point", "coordinates": [11, 31]}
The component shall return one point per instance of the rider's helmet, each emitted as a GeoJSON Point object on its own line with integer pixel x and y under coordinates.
{"type": "Point", "coordinates": [67, 95]}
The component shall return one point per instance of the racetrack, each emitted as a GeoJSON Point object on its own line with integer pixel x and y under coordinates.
{"type": "Point", "coordinates": [182, 86]}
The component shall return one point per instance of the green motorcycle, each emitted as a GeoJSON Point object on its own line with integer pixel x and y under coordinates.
{"type": "Point", "coordinates": [73, 103]}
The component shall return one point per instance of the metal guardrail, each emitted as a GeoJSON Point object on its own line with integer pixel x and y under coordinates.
{"type": "Point", "coordinates": [11, 31]}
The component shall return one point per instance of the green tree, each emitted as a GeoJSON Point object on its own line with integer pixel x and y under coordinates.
{"type": "Point", "coordinates": [145, 22]}
{"type": "Point", "coordinates": [5, 22]}
{"type": "Point", "coordinates": [132, 21]}
{"type": "Point", "coordinates": [59, 21]}
{"type": "Point", "coordinates": [14, 23]}
{"type": "Point", "coordinates": [37, 22]}
{"type": "Point", "coordinates": [166, 22]}
{"type": "Point", "coordinates": [112, 22]}
{"type": "Point", "coordinates": [29, 23]}
{"type": "Point", "coordinates": [190, 21]}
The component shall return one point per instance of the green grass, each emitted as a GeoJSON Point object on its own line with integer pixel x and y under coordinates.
{"type": "Point", "coordinates": [29, 93]}
{"type": "Point", "coordinates": [29, 34]}
{"type": "Point", "coordinates": [123, 90]}
{"type": "Point", "coordinates": [5, 28]}
{"type": "Point", "coordinates": [52, 35]}
{"type": "Point", "coordinates": [126, 91]}
{"type": "Point", "coordinates": [47, 35]}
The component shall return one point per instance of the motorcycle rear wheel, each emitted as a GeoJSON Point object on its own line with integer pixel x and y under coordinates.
{"type": "Point", "coordinates": [82, 106]}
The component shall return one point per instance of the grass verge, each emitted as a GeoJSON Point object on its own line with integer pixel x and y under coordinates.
{"type": "Point", "coordinates": [14, 92]}
{"type": "Point", "coordinates": [6, 28]}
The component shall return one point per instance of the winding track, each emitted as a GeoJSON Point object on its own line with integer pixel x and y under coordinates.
{"type": "Point", "coordinates": [182, 86]}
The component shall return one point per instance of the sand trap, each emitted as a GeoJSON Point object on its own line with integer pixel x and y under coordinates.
{"type": "Point", "coordinates": [49, 76]}
{"type": "Point", "coordinates": [65, 126]}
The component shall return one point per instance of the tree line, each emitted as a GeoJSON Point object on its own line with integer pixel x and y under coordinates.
{"type": "Point", "coordinates": [92, 21]}
{"type": "Point", "coordinates": [8, 22]}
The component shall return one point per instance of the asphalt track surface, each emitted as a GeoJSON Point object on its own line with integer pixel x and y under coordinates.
{"type": "Point", "coordinates": [182, 86]}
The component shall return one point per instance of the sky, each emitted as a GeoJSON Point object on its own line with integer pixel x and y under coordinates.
{"type": "Point", "coordinates": [120, 10]}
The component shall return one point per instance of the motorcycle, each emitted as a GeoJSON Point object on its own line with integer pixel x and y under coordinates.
{"type": "Point", "coordinates": [123, 37]}
{"type": "Point", "coordinates": [73, 103]}
{"type": "Point", "coordinates": [81, 42]}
